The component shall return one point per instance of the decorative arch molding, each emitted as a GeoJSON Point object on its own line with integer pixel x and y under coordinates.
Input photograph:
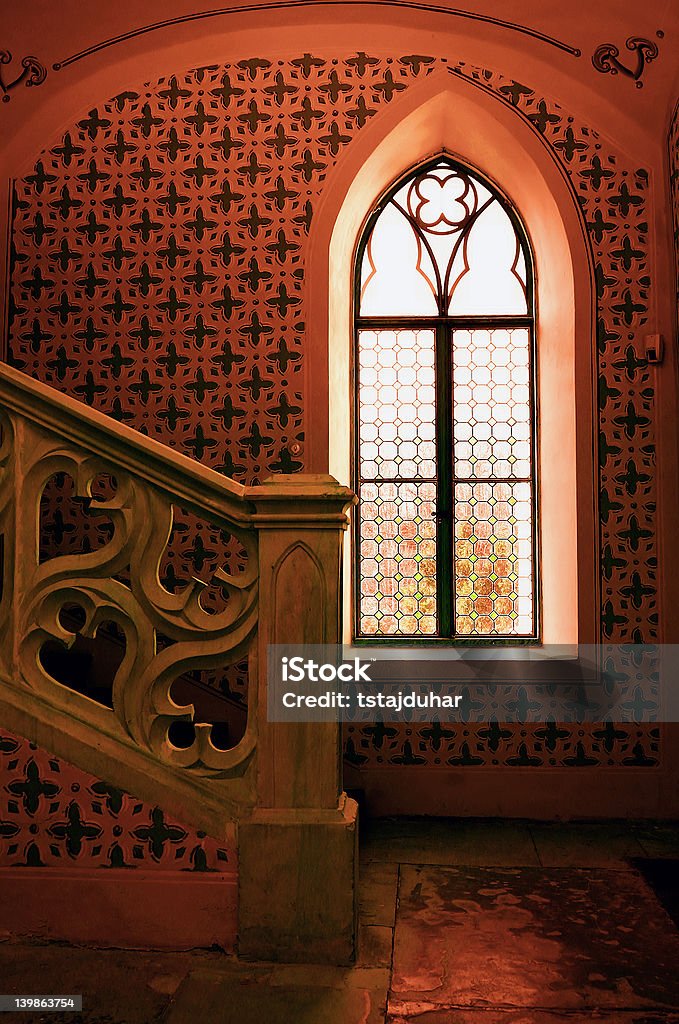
{"type": "Point", "coordinates": [287, 5]}
{"type": "Point", "coordinates": [447, 115]}
{"type": "Point", "coordinates": [300, 576]}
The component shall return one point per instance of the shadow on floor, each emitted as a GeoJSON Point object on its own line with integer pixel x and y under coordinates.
{"type": "Point", "coordinates": [662, 874]}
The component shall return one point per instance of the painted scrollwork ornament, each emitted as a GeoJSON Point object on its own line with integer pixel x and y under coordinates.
{"type": "Point", "coordinates": [606, 58]}
{"type": "Point", "coordinates": [32, 73]}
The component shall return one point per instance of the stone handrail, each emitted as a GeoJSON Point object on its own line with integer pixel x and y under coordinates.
{"type": "Point", "coordinates": [189, 483]}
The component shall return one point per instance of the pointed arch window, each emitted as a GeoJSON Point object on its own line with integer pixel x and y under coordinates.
{"type": "Point", "coordinates": [445, 420]}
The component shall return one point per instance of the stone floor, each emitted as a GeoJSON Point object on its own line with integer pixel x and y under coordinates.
{"type": "Point", "coordinates": [461, 923]}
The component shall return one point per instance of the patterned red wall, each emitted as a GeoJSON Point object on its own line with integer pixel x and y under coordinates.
{"type": "Point", "coordinates": [673, 145]}
{"type": "Point", "coordinates": [53, 814]}
{"type": "Point", "coordinates": [158, 274]}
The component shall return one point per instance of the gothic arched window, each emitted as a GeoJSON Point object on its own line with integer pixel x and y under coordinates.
{"type": "Point", "coordinates": [445, 415]}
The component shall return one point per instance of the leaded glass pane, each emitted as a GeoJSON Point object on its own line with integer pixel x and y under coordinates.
{"type": "Point", "coordinates": [488, 277]}
{"type": "Point", "coordinates": [397, 409]}
{"type": "Point", "coordinates": [494, 559]}
{"type": "Point", "coordinates": [491, 403]}
{"type": "Point", "coordinates": [397, 531]}
{"type": "Point", "coordinates": [397, 273]}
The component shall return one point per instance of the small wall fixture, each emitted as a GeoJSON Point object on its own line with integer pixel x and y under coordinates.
{"type": "Point", "coordinates": [654, 347]}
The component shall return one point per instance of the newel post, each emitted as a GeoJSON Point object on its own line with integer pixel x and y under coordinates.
{"type": "Point", "coordinates": [298, 850]}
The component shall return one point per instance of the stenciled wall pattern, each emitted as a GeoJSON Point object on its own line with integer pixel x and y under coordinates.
{"type": "Point", "coordinates": [52, 814]}
{"type": "Point", "coordinates": [673, 147]}
{"type": "Point", "coordinates": [158, 260]}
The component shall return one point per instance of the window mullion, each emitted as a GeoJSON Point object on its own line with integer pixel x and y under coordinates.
{"type": "Point", "coordinates": [445, 582]}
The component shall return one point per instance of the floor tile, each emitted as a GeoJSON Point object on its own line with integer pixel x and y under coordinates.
{"type": "Point", "coordinates": [375, 945]}
{"type": "Point", "coordinates": [553, 939]}
{"type": "Point", "coordinates": [370, 978]}
{"type": "Point", "coordinates": [276, 995]}
{"type": "Point", "coordinates": [449, 841]}
{"type": "Point", "coordinates": [377, 888]}
{"type": "Point", "coordinates": [659, 840]}
{"type": "Point", "coordinates": [585, 845]}
{"type": "Point", "coordinates": [116, 985]}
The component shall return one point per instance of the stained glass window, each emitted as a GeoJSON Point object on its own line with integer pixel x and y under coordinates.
{"type": "Point", "coordinates": [445, 414]}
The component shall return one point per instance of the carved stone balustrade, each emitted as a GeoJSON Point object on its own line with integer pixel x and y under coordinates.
{"type": "Point", "coordinates": [279, 787]}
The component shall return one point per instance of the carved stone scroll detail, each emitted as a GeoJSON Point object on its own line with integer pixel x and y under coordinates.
{"type": "Point", "coordinates": [119, 582]}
